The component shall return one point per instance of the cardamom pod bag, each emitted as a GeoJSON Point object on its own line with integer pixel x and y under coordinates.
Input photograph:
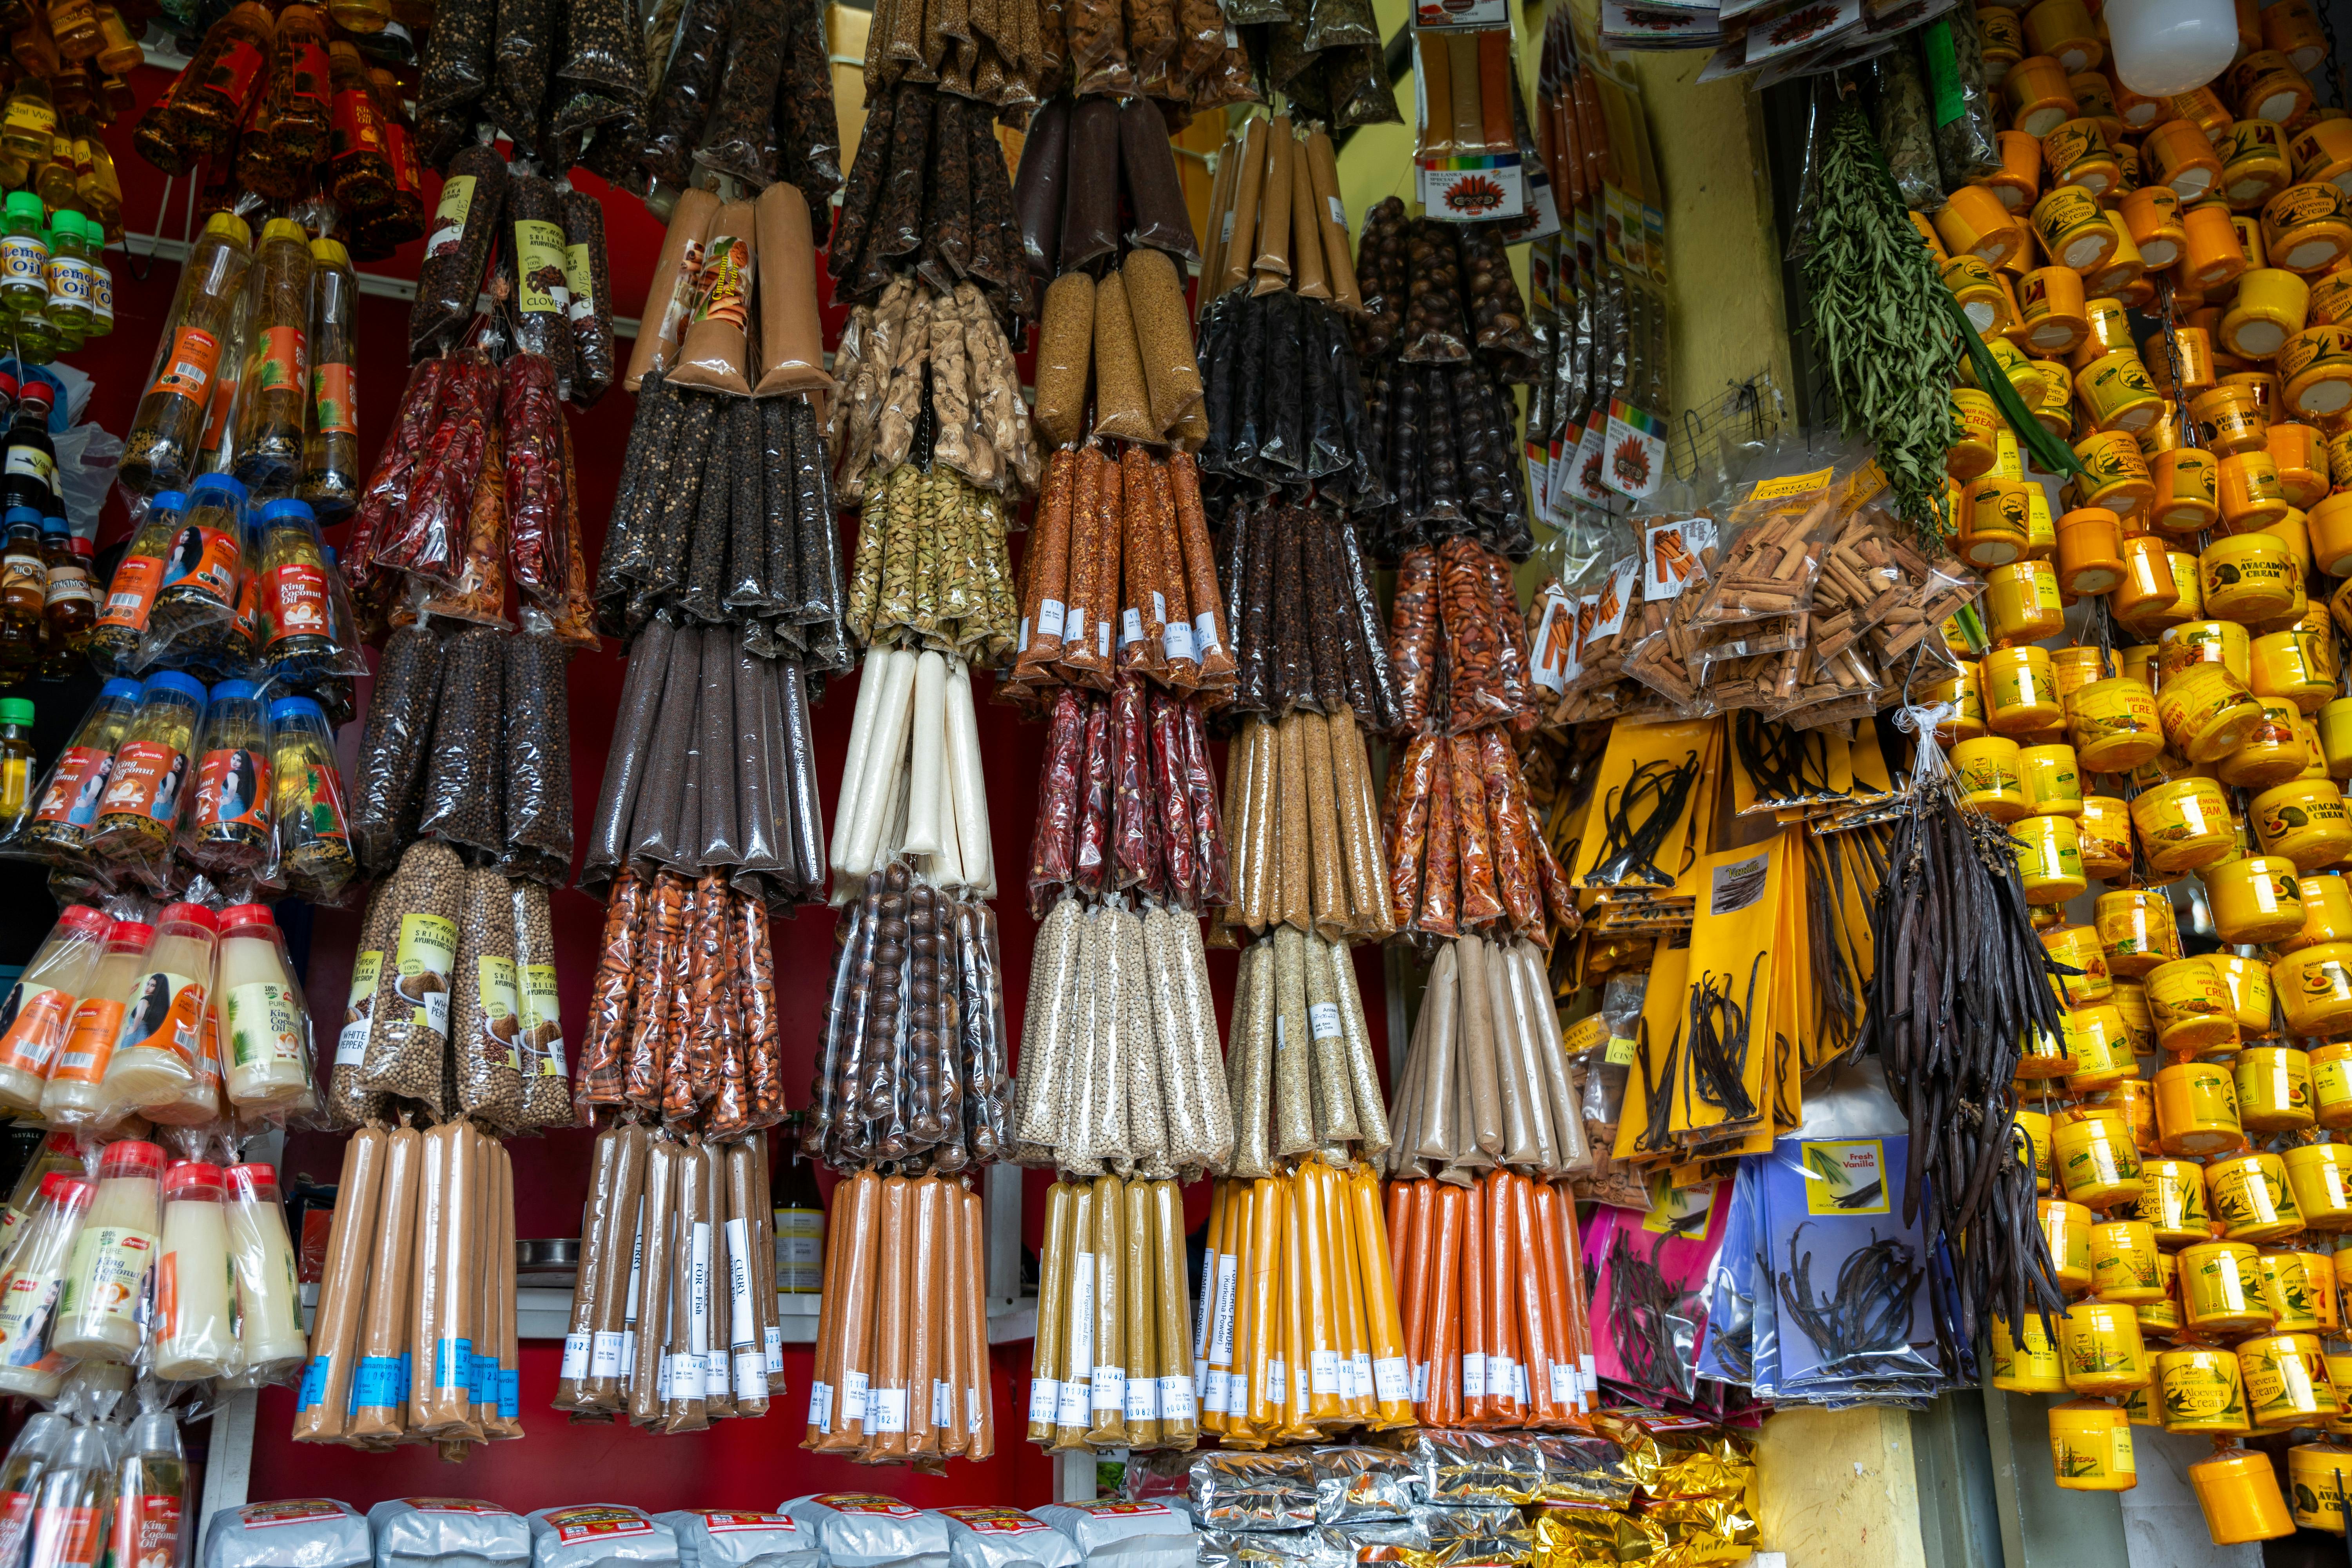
{"type": "Point", "coordinates": [316, 1532]}
{"type": "Point", "coordinates": [447, 1533]}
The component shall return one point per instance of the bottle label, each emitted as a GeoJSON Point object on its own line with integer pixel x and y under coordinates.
{"type": "Point", "coordinates": [76, 786]}
{"type": "Point", "coordinates": [281, 359]}
{"type": "Point", "coordinates": [131, 593]}
{"type": "Point", "coordinates": [204, 559]}
{"type": "Point", "coordinates": [108, 1275]}
{"type": "Point", "coordinates": [331, 388]}
{"type": "Point", "coordinates": [68, 585]}
{"type": "Point", "coordinates": [724, 292]}
{"type": "Point", "coordinates": [317, 801]}
{"type": "Point", "coordinates": [494, 983]}
{"type": "Point", "coordinates": [24, 1315]}
{"type": "Point", "coordinates": [30, 114]}
{"type": "Point", "coordinates": [29, 462]}
{"type": "Point", "coordinates": [426, 955]}
{"type": "Point", "coordinates": [32, 1027]}
{"type": "Point", "coordinates": [538, 263]}
{"type": "Point", "coordinates": [292, 603]}
{"type": "Point", "coordinates": [407, 175]}
{"type": "Point", "coordinates": [542, 1031]}
{"type": "Point", "coordinates": [800, 1250]}
{"type": "Point", "coordinates": [68, 1537]}
{"type": "Point", "coordinates": [580, 279]}
{"type": "Point", "coordinates": [357, 128]}
{"type": "Point", "coordinates": [72, 282]}
{"type": "Point", "coordinates": [359, 1004]}
{"type": "Point", "coordinates": [23, 580]}
{"type": "Point", "coordinates": [23, 261]}
{"type": "Point", "coordinates": [101, 300]}
{"type": "Point", "coordinates": [308, 70]}
{"type": "Point", "coordinates": [448, 230]}
{"type": "Point", "coordinates": [147, 1531]}
{"type": "Point", "coordinates": [233, 73]}
{"type": "Point", "coordinates": [90, 1041]}
{"type": "Point", "coordinates": [148, 777]}
{"type": "Point", "coordinates": [233, 786]}
{"type": "Point", "coordinates": [265, 1026]}
{"type": "Point", "coordinates": [188, 368]}
{"type": "Point", "coordinates": [217, 413]}
{"type": "Point", "coordinates": [165, 1013]}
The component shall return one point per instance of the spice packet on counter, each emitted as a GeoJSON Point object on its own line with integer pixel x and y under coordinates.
{"type": "Point", "coordinates": [990, 1535]}
{"type": "Point", "coordinates": [1596, 1538]}
{"type": "Point", "coordinates": [1404, 1540]}
{"type": "Point", "coordinates": [1260, 1549]}
{"type": "Point", "coordinates": [867, 1530]}
{"type": "Point", "coordinates": [1674, 1457]}
{"type": "Point", "coordinates": [319, 1532]}
{"type": "Point", "coordinates": [599, 1535]}
{"type": "Point", "coordinates": [1137, 1534]}
{"type": "Point", "coordinates": [1357, 1483]}
{"type": "Point", "coordinates": [1585, 1470]}
{"type": "Point", "coordinates": [1272, 1490]}
{"type": "Point", "coordinates": [447, 1532]}
{"type": "Point", "coordinates": [737, 1538]}
{"type": "Point", "coordinates": [1476, 1534]}
{"type": "Point", "coordinates": [1473, 1468]}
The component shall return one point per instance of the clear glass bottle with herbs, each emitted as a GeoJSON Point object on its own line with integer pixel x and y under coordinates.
{"type": "Point", "coordinates": [24, 586]}
{"type": "Point", "coordinates": [149, 787]}
{"type": "Point", "coordinates": [130, 593]}
{"type": "Point", "coordinates": [272, 401]}
{"type": "Point", "coordinates": [314, 840]}
{"type": "Point", "coordinates": [67, 809]}
{"type": "Point", "coordinates": [330, 462]}
{"type": "Point", "coordinates": [68, 600]}
{"type": "Point", "coordinates": [228, 828]}
{"type": "Point", "coordinates": [359, 166]}
{"type": "Point", "coordinates": [160, 453]}
{"type": "Point", "coordinates": [228, 69]}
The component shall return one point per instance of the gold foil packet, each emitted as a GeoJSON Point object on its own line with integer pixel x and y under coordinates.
{"type": "Point", "coordinates": [1596, 1538]}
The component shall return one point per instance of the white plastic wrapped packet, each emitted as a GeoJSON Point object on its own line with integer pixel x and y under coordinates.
{"type": "Point", "coordinates": [599, 1535]}
{"type": "Point", "coordinates": [867, 1530]}
{"type": "Point", "coordinates": [1124, 1535]}
{"type": "Point", "coordinates": [296, 1532]}
{"type": "Point", "coordinates": [993, 1536]}
{"type": "Point", "coordinates": [736, 1537]}
{"type": "Point", "coordinates": [447, 1533]}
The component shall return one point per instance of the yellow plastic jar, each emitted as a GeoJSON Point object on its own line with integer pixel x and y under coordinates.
{"type": "Point", "coordinates": [2319, 1476]}
{"type": "Point", "coordinates": [2273, 1089]}
{"type": "Point", "coordinates": [2304, 820]}
{"type": "Point", "coordinates": [2138, 928]}
{"type": "Point", "coordinates": [2091, 1447]}
{"type": "Point", "coordinates": [2331, 1084]}
{"type": "Point", "coordinates": [2100, 1049]}
{"type": "Point", "coordinates": [2076, 667]}
{"type": "Point", "coordinates": [2248, 982]}
{"type": "Point", "coordinates": [2271, 307]}
{"type": "Point", "coordinates": [2307, 228]}
{"type": "Point", "coordinates": [2188, 495]}
{"type": "Point", "coordinates": [1989, 771]}
{"type": "Point", "coordinates": [2320, 1176]}
{"type": "Point", "coordinates": [2161, 1318]}
{"type": "Point", "coordinates": [2098, 1163]}
{"type": "Point", "coordinates": [2149, 594]}
{"type": "Point", "coordinates": [2299, 453]}
{"type": "Point", "coordinates": [2139, 1021]}
{"type": "Point", "coordinates": [2326, 915]}
{"type": "Point", "coordinates": [2185, 646]}
{"type": "Point", "coordinates": [2049, 859]}
{"type": "Point", "coordinates": [2274, 754]}
{"type": "Point", "coordinates": [2103, 833]}
{"type": "Point", "coordinates": [2250, 499]}
{"type": "Point", "coordinates": [2286, 667]}
{"type": "Point", "coordinates": [2054, 779]}
{"type": "Point", "coordinates": [2316, 367]}
{"type": "Point", "coordinates": [2124, 1262]}
{"type": "Point", "coordinates": [2090, 556]}
{"type": "Point", "coordinates": [2183, 824]}
{"type": "Point", "coordinates": [2033, 1368]}
{"type": "Point", "coordinates": [2329, 525]}
{"type": "Point", "coordinates": [2077, 947]}
{"type": "Point", "coordinates": [2066, 1228]}
{"type": "Point", "coordinates": [1958, 692]}
{"type": "Point", "coordinates": [2071, 226]}
{"type": "Point", "coordinates": [1981, 424]}
{"type": "Point", "coordinates": [2191, 1006]}
{"type": "Point", "coordinates": [2117, 390]}
{"type": "Point", "coordinates": [2286, 1381]}
{"type": "Point", "coordinates": [2216, 255]}
{"type": "Point", "coordinates": [2220, 1290]}
{"type": "Point", "coordinates": [2116, 725]}
{"type": "Point", "coordinates": [2207, 712]}
{"type": "Point", "coordinates": [2101, 1348]}
{"type": "Point", "coordinates": [1996, 522]}
{"type": "Point", "coordinates": [2202, 1390]}
{"type": "Point", "coordinates": [2254, 900]}
{"type": "Point", "coordinates": [2115, 473]}
{"type": "Point", "coordinates": [2230, 420]}
{"type": "Point", "coordinates": [2255, 168]}
{"type": "Point", "coordinates": [2315, 986]}
{"type": "Point", "coordinates": [2022, 603]}
{"type": "Point", "coordinates": [2173, 1207]}
{"type": "Point", "coordinates": [2248, 1195]}
{"type": "Point", "coordinates": [2020, 691]}
{"type": "Point", "coordinates": [2135, 1098]}
{"type": "Point", "coordinates": [2287, 1290]}
{"type": "Point", "coordinates": [2050, 305]}
{"type": "Point", "coordinates": [2238, 1492]}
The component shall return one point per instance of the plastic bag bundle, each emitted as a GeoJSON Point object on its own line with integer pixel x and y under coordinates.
{"type": "Point", "coordinates": [1287, 1100]}
{"type": "Point", "coordinates": [940, 544]}
{"type": "Point", "coordinates": [1303, 830]}
{"type": "Point", "coordinates": [1484, 1078]}
{"type": "Point", "coordinates": [1285, 401]}
{"type": "Point", "coordinates": [911, 783]}
{"type": "Point", "coordinates": [901, 1359]}
{"type": "Point", "coordinates": [1309, 632]}
{"type": "Point", "coordinates": [1276, 220]}
{"type": "Point", "coordinates": [1465, 851]}
{"type": "Point", "coordinates": [1159, 827]}
{"type": "Point", "coordinates": [599, 1535]}
{"type": "Point", "coordinates": [930, 190]}
{"type": "Point", "coordinates": [980, 424]}
{"type": "Point", "coordinates": [740, 1537]}
{"type": "Point", "coordinates": [320, 1530]}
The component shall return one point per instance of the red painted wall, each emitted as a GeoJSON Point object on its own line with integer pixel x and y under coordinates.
{"type": "Point", "coordinates": [738, 1463]}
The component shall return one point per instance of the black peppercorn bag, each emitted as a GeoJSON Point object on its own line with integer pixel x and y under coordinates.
{"type": "Point", "coordinates": [387, 780]}
{"type": "Point", "coordinates": [538, 828]}
{"type": "Point", "coordinates": [464, 770]}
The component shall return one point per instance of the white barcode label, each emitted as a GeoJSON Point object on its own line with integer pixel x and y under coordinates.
{"type": "Point", "coordinates": [943, 1404]}
{"type": "Point", "coordinates": [1323, 1371]}
{"type": "Point", "coordinates": [1176, 1398]}
{"type": "Point", "coordinates": [1214, 1389]}
{"type": "Point", "coordinates": [1390, 1383]}
{"type": "Point", "coordinates": [1075, 630]}
{"type": "Point", "coordinates": [1050, 613]}
{"type": "Point", "coordinates": [1277, 1380]}
{"type": "Point", "coordinates": [1563, 1383]}
{"type": "Point", "coordinates": [853, 1398]}
{"type": "Point", "coordinates": [1159, 606]}
{"type": "Point", "coordinates": [1130, 627]}
{"type": "Point", "coordinates": [972, 1408]}
{"type": "Point", "coordinates": [1176, 640]}
{"type": "Point", "coordinates": [1237, 1394]}
{"type": "Point", "coordinates": [604, 1357]}
{"type": "Point", "coordinates": [1338, 213]}
{"type": "Point", "coordinates": [575, 1357]}
{"type": "Point", "coordinates": [1044, 1399]}
{"type": "Point", "coordinates": [1102, 640]}
{"type": "Point", "coordinates": [886, 1410]}
{"type": "Point", "coordinates": [1323, 1017]}
{"type": "Point", "coordinates": [820, 1414]}
{"type": "Point", "coordinates": [1109, 1388]}
{"type": "Point", "coordinates": [1074, 1410]}
{"type": "Point", "coordinates": [1143, 1399]}
{"type": "Point", "coordinates": [1421, 1382]}
{"type": "Point", "coordinates": [350, 1046]}
{"type": "Point", "coordinates": [750, 1375]}
{"type": "Point", "coordinates": [1205, 631]}
{"type": "Point", "coordinates": [1473, 1377]}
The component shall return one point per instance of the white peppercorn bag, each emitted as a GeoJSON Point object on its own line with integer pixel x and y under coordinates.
{"type": "Point", "coordinates": [447, 1533]}
{"type": "Point", "coordinates": [734, 1538]}
{"type": "Point", "coordinates": [599, 1535]}
{"type": "Point", "coordinates": [990, 1536]}
{"type": "Point", "coordinates": [295, 1532]}
{"type": "Point", "coordinates": [1124, 1534]}
{"type": "Point", "coordinates": [867, 1530]}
